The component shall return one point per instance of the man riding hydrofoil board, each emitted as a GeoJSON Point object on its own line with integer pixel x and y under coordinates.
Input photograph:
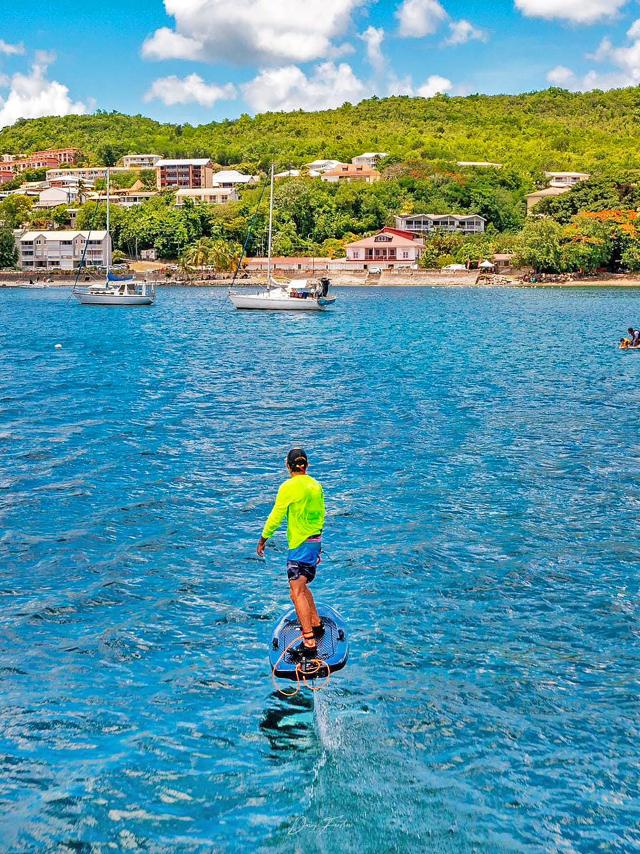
{"type": "Point", "coordinates": [301, 500]}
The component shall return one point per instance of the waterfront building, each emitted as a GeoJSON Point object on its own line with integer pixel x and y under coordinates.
{"type": "Point", "coordinates": [63, 250]}
{"type": "Point", "coordinates": [348, 172]}
{"type": "Point", "coordinates": [390, 248]}
{"type": "Point", "coordinates": [191, 174]}
{"type": "Point", "coordinates": [232, 178]}
{"type": "Point", "coordinates": [428, 223]}
{"type": "Point", "coordinates": [369, 158]}
{"type": "Point", "coordinates": [6, 175]}
{"type": "Point", "coordinates": [141, 161]}
{"type": "Point", "coordinates": [207, 195]}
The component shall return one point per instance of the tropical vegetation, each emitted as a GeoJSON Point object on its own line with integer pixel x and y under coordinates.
{"type": "Point", "coordinates": [591, 227]}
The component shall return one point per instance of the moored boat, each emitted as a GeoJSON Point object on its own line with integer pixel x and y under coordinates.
{"type": "Point", "coordinates": [297, 295]}
{"type": "Point", "coordinates": [115, 290]}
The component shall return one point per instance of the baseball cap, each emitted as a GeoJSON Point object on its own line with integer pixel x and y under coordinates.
{"type": "Point", "coordinates": [297, 459]}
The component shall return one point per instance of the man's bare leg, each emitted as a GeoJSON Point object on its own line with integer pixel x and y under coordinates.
{"type": "Point", "coordinates": [315, 617]}
{"type": "Point", "coordinates": [305, 608]}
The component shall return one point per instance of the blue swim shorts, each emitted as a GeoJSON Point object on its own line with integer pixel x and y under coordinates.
{"type": "Point", "coordinates": [303, 560]}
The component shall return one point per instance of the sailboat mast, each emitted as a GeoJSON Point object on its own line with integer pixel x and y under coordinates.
{"type": "Point", "coordinates": [108, 221]}
{"type": "Point", "coordinates": [270, 228]}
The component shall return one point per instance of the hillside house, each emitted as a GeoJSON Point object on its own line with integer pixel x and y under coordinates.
{"type": "Point", "coordinates": [388, 249]}
{"type": "Point", "coordinates": [565, 179]}
{"type": "Point", "coordinates": [207, 195]}
{"type": "Point", "coordinates": [369, 158]}
{"type": "Point", "coordinates": [428, 223]}
{"type": "Point", "coordinates": [230, 178]}
{"type": "Point", "coordinates": [140, 161]}
{"type": "Point", "coordinates": [348, 172]}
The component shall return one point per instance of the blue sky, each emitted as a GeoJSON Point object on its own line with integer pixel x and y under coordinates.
{"type": "Point", "coordinates": [198, 60]}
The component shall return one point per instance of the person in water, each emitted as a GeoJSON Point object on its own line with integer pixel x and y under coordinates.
{"type": "Point", "coordinates": [635, 336]}
{"type": "Point", "coordinates": [301, 500]}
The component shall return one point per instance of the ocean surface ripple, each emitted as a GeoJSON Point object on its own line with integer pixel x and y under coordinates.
{"type": "Point", "coordinates": [480, 455]}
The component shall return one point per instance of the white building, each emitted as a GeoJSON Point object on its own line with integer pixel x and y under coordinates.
{"type": "Point", "coordinates": [321, 166]}
{"type": "Point", "coordinates": [140, 161]}
{"type": "Point", "coordinates": [565, 179]}
{"type": "Point", "coordinates": [233, 178]}
{"type": "Point", "coordinates": [85, 173]}
{"type": "Point", "coordinates": [54, 196]}
{"type": "Point", "coordinates": [369, 158]}
{"type": "Point", "coordinates": [63, 250]}
{"type": "Point", "coordinates": [207, 195]}
{"type": "Point", "coordinates": [427, 223]}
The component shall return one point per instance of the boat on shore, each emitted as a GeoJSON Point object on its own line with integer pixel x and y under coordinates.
{"type": "Point", "coordinates": [297, 295]}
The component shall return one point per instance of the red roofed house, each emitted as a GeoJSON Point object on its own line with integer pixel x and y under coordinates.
{"type": "Point", "coordinates": [390, 248]}
{"type": "Point", "coordinates": [347, 172]}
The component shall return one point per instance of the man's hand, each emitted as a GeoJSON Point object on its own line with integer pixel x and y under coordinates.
{"type": "Point", "coordinates": [261, 544]}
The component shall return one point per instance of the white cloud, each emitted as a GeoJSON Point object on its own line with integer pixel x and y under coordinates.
{"type": "Point", "coordinates": [434, 85]}
{"type": "Point", "coordinates": [461, 32]}
{"type": "Point", "coordinates": [11, 49]}
{"type": "Point", "coordinates": [373, 38]}
{"type": "Point", "coordinates": [419, 18]}
{"type": "Point", "coordinates": [289, 88]}
{"type": "Point", "coordinates": [562, 76]}
{"type": "Point", "coordinates": [187, 90]}
{"type": "Point", "coordinates": [624, 66]}
{"type": "Point", "coordinates": [246, 32]}
{"type": "Point", "coordinates": [576, 11]}
{"type": "Point", "coordinates": [32, 95]}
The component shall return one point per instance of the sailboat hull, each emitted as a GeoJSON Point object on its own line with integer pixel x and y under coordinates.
{"type": "Point", "coordinates": [267, 303]}
{"type": "Point", "coordinates": [114, 299]}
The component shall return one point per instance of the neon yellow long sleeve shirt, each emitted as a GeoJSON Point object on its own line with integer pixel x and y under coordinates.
{"type": "Point", "coordinates": [301, 500]}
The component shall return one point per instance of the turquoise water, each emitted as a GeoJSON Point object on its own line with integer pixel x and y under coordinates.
{"type": "Point", "coordinates": [480, 455]}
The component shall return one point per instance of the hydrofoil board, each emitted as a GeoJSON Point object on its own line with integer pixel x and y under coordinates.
{"type": "Point", "coordinates": [333, 647]}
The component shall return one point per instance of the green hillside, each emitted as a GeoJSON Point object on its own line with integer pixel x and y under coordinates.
{"type": "Point", "coordinates": [553, 129]}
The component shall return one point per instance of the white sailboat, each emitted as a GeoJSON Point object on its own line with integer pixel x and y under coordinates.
{"type": "Point", "coordinates": [297, 295]}
{"type": "Point", "coordinates": [115, 290]}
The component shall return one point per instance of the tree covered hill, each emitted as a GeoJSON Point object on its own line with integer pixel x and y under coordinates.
{"type": "Point", "coordinates": [553, 129]}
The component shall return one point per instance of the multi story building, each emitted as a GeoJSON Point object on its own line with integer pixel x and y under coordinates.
{"type": "Point", "coordinates": [84, 173]}
{"type": "Point", "coordinates": [63, 250]}
{"type": "Point", "coordinates": [43, 159]}
{"type": "Point", "coordinates": [348, 172]}
{"type": "Point", "coordinates": [427, 223]}
{"type": "Point", "coordinates": [179, 174]}
{"type": "Point", "coordinates": [390, 248]}
{"type": "Point", "coordinates": [207, 195]}
{"type": "Point", "coordinates": [140, 161]}
{"type": "Point", "coordinates": [369, 158]}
